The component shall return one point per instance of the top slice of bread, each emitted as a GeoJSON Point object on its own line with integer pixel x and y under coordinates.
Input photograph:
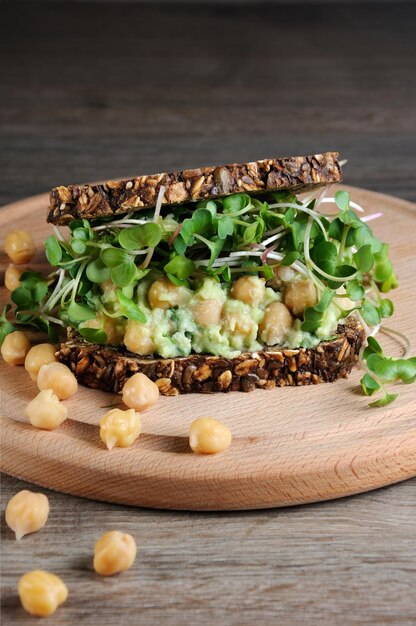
{"type": "Point", "coordinates": [124, 196]}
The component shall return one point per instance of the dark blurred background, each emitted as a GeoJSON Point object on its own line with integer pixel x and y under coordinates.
{"type": "Point", "coordinates": [94, 90]}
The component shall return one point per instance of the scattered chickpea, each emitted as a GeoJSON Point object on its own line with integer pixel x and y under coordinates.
{"type": "Point", "coordinates": [45, 411]}
{"type": "Point", "coordinates": [207, 312]}
{"type": "Point", "coordinates": [137, 338]}
{"type": "Point", "coordinates": [139, 392]}
{"type": "Point", "coordinates": [41, 592]}
{"type": "Point", "coordinates": [59, 378]}
{"type": "Point", "coordinates": [300, 294]}
{"type": "Point", "coordinates": [27, 512]}
{"type": "Point", "coordinates": [249, 289]}
{"type": "Point", "coordinates": [114, 552]}
{"type": "Point", "coordinates": [275, 323]}
{"type": "Point", "coordinates": [20, 246]}
{"type": "Point", "coordinates": [39, 355]}
{"type": "Point", "coordinates": [15, 347]}
{"type": "Point", "coordinates": [12, 277]}
{"type": "Point", "coordinates": [163, 294]}
{"type": "Point", "coordinates": [120, 428]}
{"type": "Point", "coordinates": [209, 436]}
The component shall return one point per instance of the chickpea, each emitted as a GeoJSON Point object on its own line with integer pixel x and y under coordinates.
{"type": "Point", "coordinates": [120, 428]}
{"type": "Point", "coordinates": [137, 338]}
{"type": "Point", "coordinates": [238, 323]}
{"type": "Point", "coordinates": [39, 355]}
{"type": "Point", "coordinates": [114, 552]}
{"type": "Point", "coordinates": [59, 378]}
{"type": "Point", "coordinates": [249, 289]}
{"type": "Point", "coordinates": [27, 512]}
{"type": "Point", "coordinates": [139, 392]}
{"type": "Point", "coordinates": [209, 436]}
{"type": "Point", "coordinates": [207, 312]}
{"type": "Point", "coordinates": [45, 411]}
{"type": "Point", "coordinates": [15, 347]}
{"type": "Point", "coordinates": [275, 323]}
{"type": "Point", "coordinates": [282, 274]}
{"type": "Point", "coordinates": [41, 592]}
{"type": "Point", "coordinates": [299, 295]}
{"type": "Point", "coordinates": [12, 277]}
{"type": "Point", "coordinates": [163, 294]}
{"type": "Point", "coordinates": [285, 273]}
{"type": "Point", "coordinates": [20, 246]}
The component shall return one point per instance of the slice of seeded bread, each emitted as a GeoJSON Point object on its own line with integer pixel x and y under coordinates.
{"type": "Point", "coordinates": [107, 368]}
{"type": "Point", "coordinates": [124, 196]}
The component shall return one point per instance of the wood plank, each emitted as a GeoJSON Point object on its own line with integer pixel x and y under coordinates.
{"type": "Point", "coordinates": [348, 562]}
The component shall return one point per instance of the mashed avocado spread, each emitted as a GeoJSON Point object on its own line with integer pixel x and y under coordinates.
{"type": "Point", "coordinates": [214, 318]}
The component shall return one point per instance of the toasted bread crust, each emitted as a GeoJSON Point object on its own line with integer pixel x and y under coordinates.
{"type": "Point", "coordinates": [106, 368]}
{"type": "Point", "coordinates": [124, 196]}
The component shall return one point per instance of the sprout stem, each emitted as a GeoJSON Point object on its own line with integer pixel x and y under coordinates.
{"type": "Point", "coordinates": [56, 290]}
{"type": "Point", "coordinates": [391, 331]}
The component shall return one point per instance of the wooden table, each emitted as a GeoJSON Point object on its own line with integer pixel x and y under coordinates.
{"type": "Point", "coordinates": [95, 91]}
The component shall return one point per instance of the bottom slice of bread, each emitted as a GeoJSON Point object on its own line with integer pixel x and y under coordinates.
{"type": "Point", "coordinates": [108, 368]}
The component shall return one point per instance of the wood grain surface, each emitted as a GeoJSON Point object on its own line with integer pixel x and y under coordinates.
{"type": "Point", "coordinates": [92, 91]}
{"type": "Point", "coordinates": [347, 562]}
{"type": "Point", "coordinates": [290, 445]}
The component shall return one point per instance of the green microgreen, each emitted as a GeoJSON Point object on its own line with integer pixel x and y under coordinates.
{"type": "Point", "coordinates": [80, 313]}
{"type": "Point", "coordinates": [382, 369]}
{"type": "Point", "coordinates": [124, 274]}
{"type": "Point", "coordinates": [370, 313]}
{"type": "Point", "coordinates": [6, 327]}
{"type": "Point", "coordinates": [144, 235]}
{"type": "Point", "coordinates": [355, 290]}
{"type": "Point", "coordinates": [314, 315]}
{"type": "Point", "coordinates": [290, 257]}
{"type": "Point", "coordinates": [129, 309]}
{"type": "Point", "coordinates": [180, 266]}
{"type": "Point", "coordinates": [97, 272]}
{"type": "Point", "coordinates": [53, 250]}
{"type": "Point", "coordinates": [93, 335]}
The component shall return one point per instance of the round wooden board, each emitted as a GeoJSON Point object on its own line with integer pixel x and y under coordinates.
{"type": "Point", "coordinates": [290, 445]}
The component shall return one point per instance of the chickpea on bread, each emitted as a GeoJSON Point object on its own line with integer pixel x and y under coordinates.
{"type": "Point", "coordinates": [216, 279]}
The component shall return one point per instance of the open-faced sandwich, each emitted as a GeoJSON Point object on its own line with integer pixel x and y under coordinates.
{"type": "Point", "coordinates": [213, 279]}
